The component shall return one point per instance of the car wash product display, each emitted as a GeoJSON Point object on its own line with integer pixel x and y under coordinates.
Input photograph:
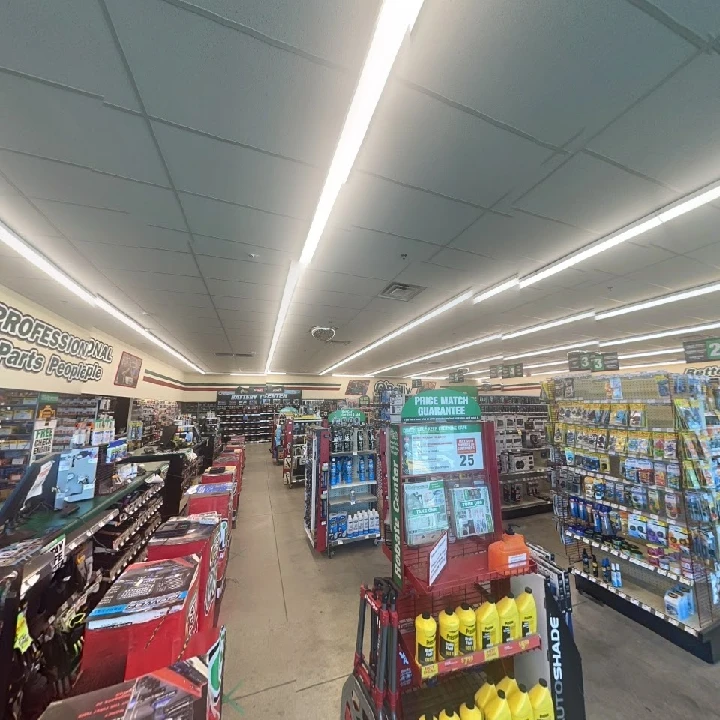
{"type": "Point", "coordinates": [458, 588]}
{"type": "Point", "coordinates": [341, 501]}
{"type": "Point", "coordinates": [296, 461]}
{"type": "Point", "coordinates": [637, 491]}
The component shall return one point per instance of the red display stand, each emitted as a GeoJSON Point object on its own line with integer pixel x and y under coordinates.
{"type": "Point", "coordinates": [190, 689]}
{"type": "Point", "coordinates": [195, 535]}
{"type": "Point", "coordinates": [143, 623]}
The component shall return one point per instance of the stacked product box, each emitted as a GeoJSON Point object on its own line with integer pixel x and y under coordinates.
{"type": "Point", "coordinates": [224, 474]}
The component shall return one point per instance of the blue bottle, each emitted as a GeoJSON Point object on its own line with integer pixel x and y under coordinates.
{"type": "Point", "coordinates": [371, 468]}
{"type": "Point", "coordinates": [348, 470]}
{"type": "Point", "coordinates": [361, 469]}
{"type": "Point", "coordinates": [334, 479]}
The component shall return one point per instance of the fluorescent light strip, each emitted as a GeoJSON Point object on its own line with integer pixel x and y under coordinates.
{"type": "Point", "coordinates": [400, 331]}
{"type": "Point", "coordinates": [288, 291]}
{"type": "Point", "coordinates": [650, 353]}
{"type": "Point", "coordinates": [242, 374]}
{"type": "Point", "coordinates": [681, 361]}
{"type": "Point", "coordinates": [546, 364]}
{"type": "Point", "coordinates": [344, 375]}
{"type": "Point", "coordinates": [462, 365]}
{"type": "Point", "coordinates": [548, 325]}
{"type": "Point", "coordinates": [547, 351]}
{"type": "Point", "coordinates": [425, 377]}
{"type": "Point", "coordinates": [663, 300]}
{"type": "Point", "coordinates": [513, 282]}
{"type": "Point", "coordinates": [665, 333]}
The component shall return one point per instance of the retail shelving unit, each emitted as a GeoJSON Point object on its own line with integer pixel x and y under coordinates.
{"type": "Point", "coordinates": [154, 415]}
{"type": "Point", "coordinates": [71, 410]}
{"type": "Point", "coordinates": [341, 483]}
{"type": "Point", "coordinates": [295, 448]}
{"type": "Point", "coordinates": [17, 415]}
{"type": "Point", "coordinates": [523, 452]}
{"type": "Point", "coordinates": [255, 422]}
{"type": "Point", "coordinates": [442, 456]}
{"type": "Point", "coordinates": [638, 491]}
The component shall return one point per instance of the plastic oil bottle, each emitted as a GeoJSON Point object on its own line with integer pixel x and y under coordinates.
{"type": "Point", "coordinates": [470, 711]}
{"type": "Point", "coordinates": [498, 708]}
{"type": "Point", "coordinates": [485, 694]}
{"type": "Point", "coordinates": [527, 612]}
{"type": "Point", "coordinates": [520, 706]}
{"type": "Point", "coordinates": [509, 619]}
{"type": "Point", "coordinates": [541, 701]}
{"type": "Point", "coordinates": [508, 685]}
{"type": "Point", "coordinates": [448, 714]}
{"type": "Point", "coordinates": [487, 623]}
{"type": "Point", "coordinates": [425, 637]}
{"type": "Point", "coordinates": [466, 633]}
{"type": "Point", "coordinates": [449, 633]}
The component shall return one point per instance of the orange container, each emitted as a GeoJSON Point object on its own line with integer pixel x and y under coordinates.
{"type": "Point", "coordinates": [510, 553]}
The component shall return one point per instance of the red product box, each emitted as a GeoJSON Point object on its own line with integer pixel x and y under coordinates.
{"type": "Point", "coordinates": [190, 689]}
{"type": "Point", "coordinates": [223, 474]}
{"type": "Point", "coordinates": [198, 535]}
{"type": "Point", "coordinates": [215, 498]}
{"type": "Point", "coordinates": [143, 623]}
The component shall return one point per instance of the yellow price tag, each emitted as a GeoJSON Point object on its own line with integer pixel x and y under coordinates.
{"type": "Point", "coordinates": [429, 671]}
{"type": "Point", "coordinates": [492, 653]}
{"type": "Point", "coordinates": [23, 641]}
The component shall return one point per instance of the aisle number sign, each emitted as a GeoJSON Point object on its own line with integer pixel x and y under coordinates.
{"type": "Point", "coordinates": [592, 361]}
{"type": "Point", "coordinates": [702, 350]}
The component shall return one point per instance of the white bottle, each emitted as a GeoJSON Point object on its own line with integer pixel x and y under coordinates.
{"type": "Point", "coordinates": [366, 522]}
{"type": "Point", "coordinates": [351, 525]}
{"type": "Point", "coordinates": [356, 524]}
{"type": "Point", "coordinates": [376, 522]}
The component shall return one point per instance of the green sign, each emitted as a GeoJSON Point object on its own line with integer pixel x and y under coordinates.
{"type": "Point", "coordinates": [363, 400]}
{"type": "Point", "coordinates": [397, 562]}
{"type": "Point", "coordinates": [592, 361]}
{"type": "Point", "coordinates": [347, 415]}
{"type": "Point", "coordinates": [702, 350]}
{"type": "Point", "coordinates": [288, 411]}
{"type": "Point", "coordinates": [440, 405]}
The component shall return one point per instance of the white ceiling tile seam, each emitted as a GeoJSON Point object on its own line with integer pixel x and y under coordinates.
{"type": "Point", "coordinates": [16, 243]}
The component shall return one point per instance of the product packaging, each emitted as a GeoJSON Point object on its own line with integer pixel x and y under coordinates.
{"type": "Point", "coordinates": [426, 516]}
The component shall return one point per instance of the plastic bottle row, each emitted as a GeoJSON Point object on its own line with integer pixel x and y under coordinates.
{"type": "Point", "coordinates": [345, 438]}
{"type": "Point", "coordinates": [351, 525]}
{"type": "Point", "coordinates": [507, 700]}
{"type": "Point", "coordinates": [464, 630]}
{"type": "Point", "coordinates": [341, 470]}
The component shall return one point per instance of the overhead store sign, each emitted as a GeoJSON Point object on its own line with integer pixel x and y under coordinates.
{"type": "Point", "coordinates": [50, 348]}
{"type": "Point", "coordinates": [457, 377]}
{"type": "Point", "coordinates": [440, 405]}
{"type": "Point", "coordinates": [347, 415]}
{"type": "Point", "coordinates": [702, 350]}
{"type": "Point", "coordinates": [507, 371]}
{"type": "Point", "coordinates": [594, 362]}
{"type": "Point", "coordinates": [257, 395]}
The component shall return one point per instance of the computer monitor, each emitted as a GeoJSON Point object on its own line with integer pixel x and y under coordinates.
{"type": "Point", "coordinates": [168, 435]}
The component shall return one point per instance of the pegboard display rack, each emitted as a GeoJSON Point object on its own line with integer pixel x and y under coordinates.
{"type": "Point", "coordinates": [637, 484]}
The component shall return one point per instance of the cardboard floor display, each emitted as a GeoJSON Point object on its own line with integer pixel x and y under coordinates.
{"type": "Point", "coordinates": [190, 689]}
{"type": "Point", "coordinates": [224, 474]}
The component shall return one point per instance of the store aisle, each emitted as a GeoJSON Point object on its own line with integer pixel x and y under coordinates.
{"type": "Point", "coordinates": [291, 617]}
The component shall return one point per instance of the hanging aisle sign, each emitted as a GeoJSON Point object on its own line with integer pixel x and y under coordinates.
{"type": "Point", "coordinates": [347, 415]}
{"type": "Point", "coordinates": [440, 405]}
{"type": "Point", "coordinates": [592, 361]}
{"type": "Point", "coordinates": [702, 350]}
{"type": "Point", "coordinates": [256, 395]}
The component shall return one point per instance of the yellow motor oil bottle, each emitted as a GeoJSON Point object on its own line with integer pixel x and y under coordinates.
{"type": "Point", "coordinates": [485, 694]}
{"type": "Point", "coordinates": [449, 633]}
{"type": "Point", "coordinates": [470, 711]}
{"type": "Point", "coordinates": [425, 639]}
{"type": "Point", "coordinates": [541, 701]}
{"type": "Point", "coordinates": [509, 619]}
{"type": "Point", "coordinates": [487, 623]}
{"type": "Point", "coordinates": [508, 685]}
{"type": "Point", "coordinates": [466, 636]}
{"type": "Point", "coordinates": [527, 612]}
{"type": "Point", "coordinates": [448, 714]}
{"type": "Point", "coordinates": [520, 705]}
{"type": "Point", "coordinates": [498, 709]}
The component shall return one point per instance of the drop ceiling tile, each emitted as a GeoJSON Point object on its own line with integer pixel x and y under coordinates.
{"type": "Point", "coordinates": [6, 188]}
{"type": "Point", "coordinates": [708, 255]}
{"type": "Point", "coordinates": [686, 233]}
{"type": "Point", "coordinates": [129, 280]}
{"type": "Point", "coordinates": [671, 134]}
{"type": "Point", "coordinates": [676, 274]}
{"type": "Point", "coordinates": [701, 16]}
{"type": "Point", "coordinates": [22, 217]}
{"type": "Point", "coordinates": [335, 31]}
{"type": "Point", "coordinates": [162, 301]}
{"type": "Point", "coordinates": [169, 313]}
{"type": "Point", "coordinates": [79, 130]}
{"type": "Point", "coordinates": [428, 275]}
{"type": "Point", "coordinates": [241, 224]}
{"type": "Point", "coordinates": [205, 166]}
{"type": "Point", "coordinates": [306, 315]}
{"type": "Point", "coordinates": [238, 289]}
{"type": "Point", "coordinates": [47, 180]}
{"type": "Point", "coordinates": [242, 89]}
{"type": "Point", "coordinates": [341, 282]}
{"type": "Point", "coordinates": [461, 157]}
{"type": "Point", "coordinates": [625, 258]}
{"type": "Point", "coordinates": [376, 204]}
{"type": "Point", "coordinates": [485, 271]}
{"type": "Point", "coordinates": [587, 192]}
{"type": "Point", "coordinates": [316, 296]}
{"type": "Point", "coordinates": [231, 250]}
{"type": "Point", "coordinates": [232, 318]}
{"type": "Point", "coordinates": [127, 258]}
{"type": "Point", "coordinates": [621, 291]}
{"type": "Point", "coordinates": [222, 269]}
{"type": "Point", "coordinates": [577, 69]}
{"type": "Point", "coordinates": [18, 268]}
{"type": "Point", "coordinates": [68, 43]}
{"type": "Point", "coordinates": [243, 305]}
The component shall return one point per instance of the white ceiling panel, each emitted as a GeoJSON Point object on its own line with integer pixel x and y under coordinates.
{"type": "Point", "coordinates": [681, 147]}
{"type": "Point", "coordinates": [20, 215]}
{"type": "Point", "coordinates": [114, 227]}
{"type": "Point", "coordinates": [158, 281]}
{"type": "Point", "coordinates": [305, 315]}
{"type": "Point", "coordinates": [678, 273]}
{"type": "Point", "coordinates": [484, 270]}
{"type": "Point", "coordinates": [552, 69]}
{"type": "Point", "coordinates": [222, 269]}
{"type": "Point", "coordinates": [626, 258]}
{"type": "Point", "coordinates": [242, 89]}
{"type": "Point", "coordinates": [702, 16]}
{"type": "Point", "coordinates": [223, 170]}
{"type": "Point", "coordinates": [242, 305]}
{"type": "Point", "coordinates": [368, 253]}
{"type": "Point", "coordinates": [621, 291]}
{"type": "Point", "coordinates": [214, 247]}
{"type": "Point", "coordinates": [80, 129]}
{"type": "Point", "coordinates": [47, 180]}
{"type": "Point", "coordinates": [160, 300]}
{"type": "Point", "coordinates": [341, 282]}
{"type": "Point", "coordinates": [314, 296]}
{"type": "Point", "coordinates": [686, 233]}
{"type": "Point", "coordinates": [426, 275]}
{"type": "Point", "coordinates": [587, 192]}
{"type": "Point", "coordinates": [242, 224]}
{"type": "Point", "coordinates": [168, 313]}
{"type": "Point", "coordinates": [376, 204]}
{"type": "Point", "coordinates": [339, 32]}
{"type": "Point", "coordinates": [708, 255]}
{"type": "Point", "coordinates": [242, 289]}
{"type": "Point", "coordinates": [67, 43]}
{"type": "Point", "coordinates": [462, 156]}
{"type": "Point", "coordinates": [127, 258]}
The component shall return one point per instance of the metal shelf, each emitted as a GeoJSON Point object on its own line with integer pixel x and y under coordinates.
{"type": "Point", "coordinates": [360, 498]}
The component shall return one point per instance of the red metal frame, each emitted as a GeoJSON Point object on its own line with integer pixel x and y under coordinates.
{"type": "Point", "coordinates": [288, 458]}
{"type": "Point", "coordinates": [321, 521]}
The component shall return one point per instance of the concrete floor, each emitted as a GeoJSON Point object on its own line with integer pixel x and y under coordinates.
{"type": "Point", "coordinates": [291, 617]}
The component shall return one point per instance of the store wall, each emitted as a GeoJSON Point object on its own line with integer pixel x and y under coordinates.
{"type": "Point", "coordinates": [33, 358]}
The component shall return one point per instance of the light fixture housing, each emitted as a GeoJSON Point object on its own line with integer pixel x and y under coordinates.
{"type": "Point", "coordinates": [548, 325]}
{"type": "Point", "coordinates": [487, 294]}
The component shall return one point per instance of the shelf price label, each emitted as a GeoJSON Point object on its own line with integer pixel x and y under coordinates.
{"type": "Point", "coordinates": [428, 671]}
{"type": "Point", "coordinates": [492, 653]}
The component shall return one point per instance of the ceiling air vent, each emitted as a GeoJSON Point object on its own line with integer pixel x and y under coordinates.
{"type": "Point", "coordinates": [245, 355]}
{"type": "Point", "coordinates": [401, 291]}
